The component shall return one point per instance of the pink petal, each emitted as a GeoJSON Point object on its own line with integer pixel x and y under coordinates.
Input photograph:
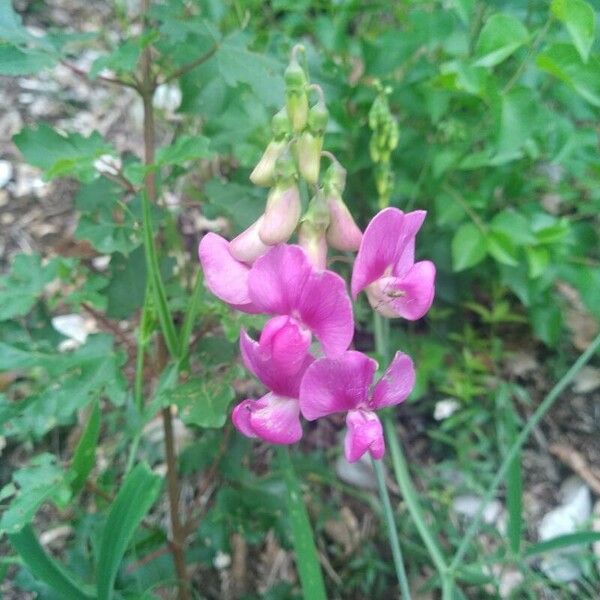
{"type": "Point", "coordinates": [342, 233]}
{"type": "Point", "coordinates": [225, 277]}
{"type": "Point", "coordinates": [259, 361]}
{"type": "Point", "coordinates": [282, 214]}
{"type": "Point", "coordinates": [412, 223]}
{"type": "Point", "coordinates": [241, 418]}
{"type": "Point", "coordinates": [384, 242]}
{"type": "Point", "coordinates": [314, 245]}
{"type": "Point", "coordinates": [364, 434]}
{"type": "Point", "coordinates": [247, 246]}
{"type": "Point", "coordinates": [335, 385]}
{"type": "Point", "coordinates": [396, 383]}
{"type": "Point", "coordinates": [326, 309]}
{"type": "Point", "coordinates": [276, 279]}
{"type": "Point", "coordinates": [272, 418]}
{"type": "Point", "coordinates": [409, 297]}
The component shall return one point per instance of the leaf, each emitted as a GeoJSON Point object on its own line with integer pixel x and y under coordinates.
{"type": "Point", "coordinates": [122, 59]}
{"type": "Point", "coordinates": [137, 494]}
{"type": "Point", "coordinates": [24, 284]}
{"type": "Point", "coordinates": [514, 224]}
{"type": "Point", "coordinates": [500, 37]}
{"type": "Point", "coordinates": [203, 402]}
{"type": "Point", "coordinates": [563, 541]}
{"type": "Point", "coordinates": [60, 155]}
{"type": "Point", "coordinates": [40, 481]}
{"type": "Point", "coordinates": [14, 61]}
{"type": "Point", "coordinates": [564, 62]}
{"type": "Point", "coordinates": [85, 453]}
{"type": "Point", "coordinates": [518, 114]}
{"type": "Point", "coordinates": [185, 148]}
{"type": "Point", "coordinates": [468, 247]}
{"type": "Point", "coordinates": [580, 21]}
{"type": "Point", "coordinates": [501, 247]}
{"type": "Point", "coordinates": [45, 568]}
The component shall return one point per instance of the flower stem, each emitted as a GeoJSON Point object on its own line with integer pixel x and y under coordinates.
{"type": "Point", "coordinates": [382, 336]}
{"type": "Point", "coordinates": [392, 532]}
{"type": "Point", "coordinates": [307, 559]}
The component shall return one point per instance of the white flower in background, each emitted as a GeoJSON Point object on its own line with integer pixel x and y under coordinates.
{"type": "Point", "coordinates": [75, 328]}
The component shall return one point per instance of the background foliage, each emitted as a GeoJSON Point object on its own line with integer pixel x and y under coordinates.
{"type": "Point", "coordinates": [497, 105]}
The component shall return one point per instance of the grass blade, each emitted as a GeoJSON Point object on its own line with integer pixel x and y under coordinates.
{"type": "Point", "coordinates": [85, 453]}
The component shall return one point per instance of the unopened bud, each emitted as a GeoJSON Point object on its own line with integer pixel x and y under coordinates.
{"type": "Point", "coordinates": [318, 116]}
{"type": "Point", "coordinates": [280, 125]}
{"type": "Point", "coordinates": [308, 152]}
{"type": "Point", "coordinates": [312, 241]}
{"type": "Point", "coordinates": [343, 232]}
{"type": "Point", "coordinates": [296, 98]}
{"type": "Point", "coordinates": [281, 214]}
{"type": "Point", "coordinates": [264, 172]}
{"type": "Point", "coordinates": [334, 180]}
{"type": "Point", "coordinates": [247, 246]}
{"type": "Point", "coordinates": [285, 167]}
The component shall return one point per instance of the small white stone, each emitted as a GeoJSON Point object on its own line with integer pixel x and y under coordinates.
{"type": "Point", "coordinates": [6, 172]}
{"type": "Point", "coordinates": [101, 262]}
{"type": "Point", "coordinates": [359, 474]}
{"type": "Point", "coordinates": [221, 560]}
{"type": "Point", "coordinates": [469, 505]}
{"type": "Point", "coordinates": [167, 97]}
{"type": "Point", "coordinates": [71, 326]}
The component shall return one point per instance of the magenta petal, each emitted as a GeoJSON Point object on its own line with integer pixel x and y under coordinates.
{"type": "Point", "coordinates": [247, 246]}
{"type": "Point", "coordinates": [335, 385]}
{"type": "Point", "coordinates": [326, 309]}
{"type": "Point", "coordinates": [409, 297]}
{"type": "Point", "coordinates": [276, 420]}
{"type": "Point", "coordinates": [225, 277]}
{"type": "Point", "coordinates": [241, 418]}
{"type": "Point", "coordinates": [412, 223]}
{"type": "Point", "coordinates": [396, 383]}
{"type": "Point", "coordinates": [364, 434]}
{"type": "Point", "coordinates": [287, 343]}
{"type": "Point", "coordinates": [276, 279]}
{"type": "Point", "coordinates": [343, 233]}
{"type": "Point", "coordinates": [259, 361]}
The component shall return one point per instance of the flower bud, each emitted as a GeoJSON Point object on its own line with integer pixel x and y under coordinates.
{"type": "Point", "coordinates": [281, 214]}
{"type": "Point", "coordinates": [264, 172]}
{"type": "Point", "coordinates": [311, 235]}
{"type": "Point", "coordinates": [280, 125]}
{"type": "Point", "coordinates": [334, 180]}
{"type": "Point", "coordinates": [343, 233]}
{"type": "Point", "coordinates": [296, 98]}
{"type": "Point", "coordinates": [308, 152]}
{"type": "Point", "coordinates": [247, 246]}
{"type": "Point", "coordinates": [318, 116]}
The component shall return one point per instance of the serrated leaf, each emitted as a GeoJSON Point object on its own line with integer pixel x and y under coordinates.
{"type": "Point", "coordinates": [40, 481]}
{"type": "Point", "coordinates": [60, 155]}
{"type": "Point", "coordinates": [137, 494]}
{"type": "Point", "coordinates": [468, 247]}
{"type": "Point", "coordinates": [580, 21]}
{"type": "Point", "coordinates": [44, 568]}
{"type": "Point", "coordinates": [563, 61]}
{"type": "Point", "coordinates": [500, 37]}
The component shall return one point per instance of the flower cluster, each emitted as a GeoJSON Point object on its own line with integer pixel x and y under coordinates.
{"type": "Point", "coordinates": [259, 272]}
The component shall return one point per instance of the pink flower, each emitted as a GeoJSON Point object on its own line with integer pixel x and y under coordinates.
{"type": "Point", "coordinates": [279, 360]}
{"type": "Point", "coordinates": [344, 385]}
{"type": "Point", "coordinates": [385, 265]}
{"type": "Point", "coordinates": [282, 283]}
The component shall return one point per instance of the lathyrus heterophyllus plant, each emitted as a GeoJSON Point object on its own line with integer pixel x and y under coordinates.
{"type": "Point", "coordinates": [260, 272]}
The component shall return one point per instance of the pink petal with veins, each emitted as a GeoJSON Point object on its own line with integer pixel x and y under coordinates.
{"type": "Point", "coordinates": [364, 434]}
{"type": "Point", "coordinates": [396, 383]}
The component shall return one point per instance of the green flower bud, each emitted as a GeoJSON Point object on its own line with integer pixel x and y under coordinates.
{"type": "Point", "coordinates": [308, 154]}
{"type": "Point", "coordinates": [285, 167]}
{"type": "Point", "coordinates": [280, 125]}
{"type": "Point", "coordinates": [294, 76]}
{"type": "Point", "coordinates": [264, 172]}
{"type": "Point", "coordinates": [334, 180]}
{"type": "Point", "coordinates": [317, 118]}
{"type": "Point", "coordinates": [296, 98]}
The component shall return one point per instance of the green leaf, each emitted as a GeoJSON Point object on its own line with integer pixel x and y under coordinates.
{"type": "Point", "coordinates": [24, 284]}
{"type": "Point", "coordinates": [468, 247]}
{"type": "Point", "coordinates": [203, 402]}
{"type": "Point", "coordinates": [515, 225]}
{"type": "Point", "coordinates": [136, 496]}
{"type": "Point", "coordinates": [121, 60]}
{"type": "Point", "coordinates": [538, 259]}
{"type": "Point", "coordinates": [500, 37]}
{"type": "Point", "coordinates": [85, 453]}
{"type": "Point", "coordinates": [185, 148]}
{"type": "Point", "coordinates": [518, 114]}
{"type": "Point", "coordinates": [243, 204]}
{"type": "Point", "coordinates": [563, 541]}
{"type": "Point", "coordinates": [40, 481]}
{"type": "Point", "coordinates": [580, 21]}
{"type": "Point", "coordinates": [564, 62]}
{"type": "Point", "coordinates": [501, 247]}
{"type": "Point", "coordinates": [14, 61]}
{"type": "Point", "coordinates": [60, 155]}
{"type": "Point", "coordinates": [45, 568]}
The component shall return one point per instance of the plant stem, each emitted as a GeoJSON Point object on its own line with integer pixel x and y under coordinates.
{"type": "Point", "coordinates": [392, 532]}
{"type": "Point", "coordinates": [147, 88]}
{"type": "Point", "coordinates": [410, 496]}
{"type": "Point", "coordinates": [382, 336]}
{"type": "Point", "coordinates": [307, 558]}
{"type": "Point", "coordinates": [537, 416]}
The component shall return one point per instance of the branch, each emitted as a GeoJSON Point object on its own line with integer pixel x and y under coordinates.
{"type": "Point", "coordinates": [191, 65]}
{"type": "Point", "coordinates": [110, 80]}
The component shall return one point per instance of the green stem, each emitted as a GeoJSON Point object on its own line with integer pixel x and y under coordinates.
{"type": "Point", "coordinates": [411, 498]}
{"type": "Point", "coordinates": [537, 416]}
{"type": "Point", "coordinates": [382, 336]}
{"type": "Point", "coordinates": [307, 559]}
{"type": "Point", "coordinates": [392, 532]}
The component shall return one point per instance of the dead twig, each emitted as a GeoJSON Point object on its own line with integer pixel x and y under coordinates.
{"type": "Point", "coordinates": [575, 461]}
